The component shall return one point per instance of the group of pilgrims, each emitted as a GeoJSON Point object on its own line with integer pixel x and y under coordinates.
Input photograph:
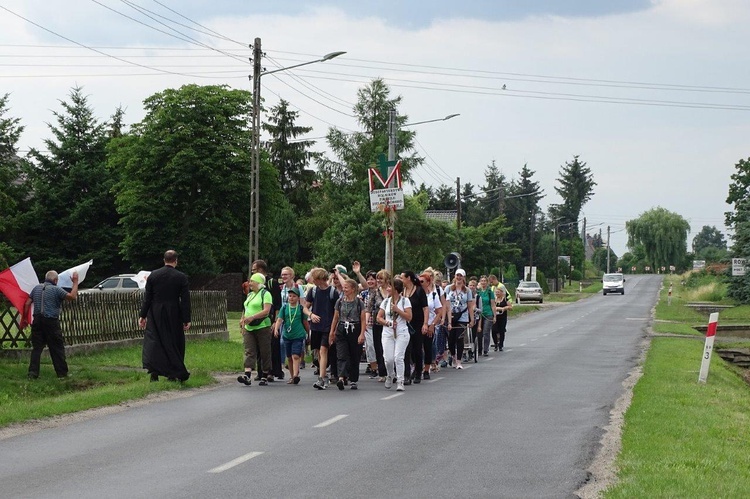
{"type": "Point", "coordinates": [409, 325]}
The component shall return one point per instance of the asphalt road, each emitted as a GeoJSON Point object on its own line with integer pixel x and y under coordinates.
{"type": "Point", "coordinates": [525, 422]}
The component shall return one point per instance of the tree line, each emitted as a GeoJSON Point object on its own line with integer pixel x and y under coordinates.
{"type": "Point", "coordinates": [179, 179]}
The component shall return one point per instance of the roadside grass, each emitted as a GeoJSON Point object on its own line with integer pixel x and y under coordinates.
{"type": "Point", "coordinates": [682, 438]}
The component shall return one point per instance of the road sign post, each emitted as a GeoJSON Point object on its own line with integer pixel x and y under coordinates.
{"type": "Point", "coordinates": [708, 348]}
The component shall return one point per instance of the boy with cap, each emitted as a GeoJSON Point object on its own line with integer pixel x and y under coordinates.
{"type": "Point", "coordinates": [292, 326]}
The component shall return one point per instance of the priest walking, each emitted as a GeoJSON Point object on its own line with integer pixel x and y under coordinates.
{"type": "Point", "coordinates": [165, 314]}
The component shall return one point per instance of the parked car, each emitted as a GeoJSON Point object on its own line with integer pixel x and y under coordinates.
{"type": "Point", "coordinates": [613, 283]}
{"type": "Point", "coordinates": [116, 284]}
{"type": "Point", "coordinates": [529, 291]}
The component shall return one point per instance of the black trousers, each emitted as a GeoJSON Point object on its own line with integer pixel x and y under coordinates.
{"type": "Point", "coordinates": [47, 332]}
{"type": "Point", "coordinates": [348, 350]}
{"type": "Point", "coordinates": [427, 350]}
{"type": "Point", "coordinates": [413, 354]}
{"type": "Point", "coordinates": [456, 339]}
{"type": "Point", "coordinates": [498, 329]}
{"type": "Point", "coordinates": [377, 340]}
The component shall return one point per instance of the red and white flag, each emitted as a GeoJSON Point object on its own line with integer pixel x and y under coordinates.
{"type": "Point", "coordinates": [16, 284]}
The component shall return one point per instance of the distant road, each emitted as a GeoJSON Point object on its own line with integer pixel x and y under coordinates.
{"type": "Point", "coordinates": [521, 423]}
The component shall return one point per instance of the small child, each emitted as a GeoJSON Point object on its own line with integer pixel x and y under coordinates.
{"type": "Point", "coordinates": [292, 324]}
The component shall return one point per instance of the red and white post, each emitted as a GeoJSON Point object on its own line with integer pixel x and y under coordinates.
{"type": "Point", "coordinates": [713, 321]}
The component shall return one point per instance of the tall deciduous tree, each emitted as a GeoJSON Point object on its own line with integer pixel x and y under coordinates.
{"type": "Point", "coordinates": [72, 215]}
{"type": "Point", "coordinates": [739, 220]}
{"type": "Point", "coordinates": [663, 235]}
{"type": "Point", "coordinates": [709, 237]}
{"type": "Point", "coordinates": [185, 183]}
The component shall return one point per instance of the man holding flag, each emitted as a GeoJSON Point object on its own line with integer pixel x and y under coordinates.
{"type": "Point", "coordinates": [47, 299]}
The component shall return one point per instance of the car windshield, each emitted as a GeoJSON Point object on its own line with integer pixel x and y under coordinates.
{"type": "Point", "coordinates": [612, 278]}
{"type": "Point", "coordinates": [528, 285]}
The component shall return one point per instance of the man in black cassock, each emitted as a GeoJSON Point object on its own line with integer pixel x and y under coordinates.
{"type": "Point", "coordinates": [165, 314]}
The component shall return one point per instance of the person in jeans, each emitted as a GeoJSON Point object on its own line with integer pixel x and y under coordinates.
{"type": "Point", "coordinates": [47, 299]}
{"type": "Point", "coordinates": [291, 325]}
{"type": "Point", "coordinates": [256, 332]}
{"type": "Point", "coordinates": [394, 313]}
{"type": "Point", "coordinates": [486, 302]}
{"type": "Point", "coordinates": [348, 333]}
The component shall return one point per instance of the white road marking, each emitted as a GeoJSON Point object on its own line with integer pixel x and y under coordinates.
{"type": "Point", "coordinates": [490, 358]}
{"type": "Point", "coordinates": [534, 339]}
{"type": "Point", "coordinates": [546, 334]}
{"type": "Point", "coordinates": [330, 421]}
{"type": "Point", "coordinates": [468, 366]}
{"type": "Point", "coordinates": [389, 397]}
{"type": "Point", "coordinates": [235, 462]}
{"type": "Point", "coordinates": [522, 345]}
{"type": "Point", "coordinates": [434, 379]}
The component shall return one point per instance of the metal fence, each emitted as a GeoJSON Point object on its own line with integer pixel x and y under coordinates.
{"type": "Point", "coordinates": [106, 317]}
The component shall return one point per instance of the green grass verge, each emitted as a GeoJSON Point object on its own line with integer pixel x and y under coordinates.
{"type": "Point", "coordinates": [682, 438]}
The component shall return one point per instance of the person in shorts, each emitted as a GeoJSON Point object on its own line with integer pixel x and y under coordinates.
{"type": "Point", "coordinates": [291, 327]}
{"type": "Point", "coordinates": [320, 304]}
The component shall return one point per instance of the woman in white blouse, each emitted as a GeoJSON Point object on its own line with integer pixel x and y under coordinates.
{"type": "Point", "coordinates": [394, 313]}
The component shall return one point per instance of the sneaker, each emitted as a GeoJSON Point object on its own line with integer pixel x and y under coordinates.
{"type": "Point", "coordinates": [443, 364]}
{"type": "Point", "coordinates": [486, 354]}
{"type": "Point", "coordinates": [340, 384]}
{"type": "Point", "coordinates": [270, 378]}
{"type": "Point", "coordinates": [388, 382]}
{"type": "Point", "coordinates": [407, 381]}
{"type": "Point", "coordinates": [354, 385]}
{"type": "Point", "coordinates": [295, 380]}
{"type": "Point", "coordinates": [459, 366]}
{"type": "Point", "coordinates": [263, 382]}
{"type": "Point", "coordinates": [368, 370]}
{"type": "Point", "coordinates": [500, 349]}
{"type": "Point", "coordinates": [426, 376]}
{"type": "Point", "coordinates": [319, 384]}
{"type": "Point", "coordinates": [326, 382]}
{"type": "Point", "coordinates": [245, 379]}
{"type": "Point", "coordinates": [417, 379]}
{"type": "Point", "coordinates": [400, 386]}
{"type": "Point", "coordinates": [374, 375]}
{"type": "Point", "coordinates": [450, 361]}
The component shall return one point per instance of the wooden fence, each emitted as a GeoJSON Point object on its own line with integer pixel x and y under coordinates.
{"type": "Point", "coordinates": [107, 317]}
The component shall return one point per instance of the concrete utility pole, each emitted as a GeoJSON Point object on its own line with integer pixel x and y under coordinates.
{"type": "Point", "coordinates": [531, 240]}
{"type": "Point", "coordinates": [557, 257]}
{"type": "Point", "coordinates": [255, 159]}
{"type": "Point", "coordinates": [607, 249]}
{"type": "Point", "coordinates": [390, 215]}
{"type": "Point", "coordinates": [583, 240]}
{"type": "Point", "coordinates": [458, 206]}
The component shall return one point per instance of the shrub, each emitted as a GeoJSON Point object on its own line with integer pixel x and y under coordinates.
{"type": "Point", "coordinates": [542, 280]}
{"type": "Point", "coordinates": [575, 274]}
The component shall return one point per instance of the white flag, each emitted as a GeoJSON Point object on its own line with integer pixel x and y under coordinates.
{"type": "Point", "coordinates": [65, 279]}
{"type": "Point", "coordinates": [141, 277]}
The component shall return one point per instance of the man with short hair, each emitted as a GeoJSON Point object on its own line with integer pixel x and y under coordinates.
{"type": "Point", "coordinates": [47, 299]}
{"type": "Point", "coordinates": [165, 315]}
{"type": "Point", "coordinates": [495, 283]}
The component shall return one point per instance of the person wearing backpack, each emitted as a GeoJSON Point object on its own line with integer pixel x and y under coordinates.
{"type": "Point", "coordinates": [460, 316]}
{"type": "Point", "coordinates": [348, 333]}
{"type": "Point", "coordinates": [320, 307]}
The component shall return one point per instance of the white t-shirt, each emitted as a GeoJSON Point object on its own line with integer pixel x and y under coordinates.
{"type": "Point", "coordinates": [400, 322]}
{"type": "Point", "coordinates": [434, 302]}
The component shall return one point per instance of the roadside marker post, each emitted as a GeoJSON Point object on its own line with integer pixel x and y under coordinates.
{"type": "Point", "coordinates": [709, 346]}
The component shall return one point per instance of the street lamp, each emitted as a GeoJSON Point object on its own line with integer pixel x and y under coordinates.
{"type": "Point", "coordinates": [431, 121]}
{"type": "Point", "coordinates": [252, 253]}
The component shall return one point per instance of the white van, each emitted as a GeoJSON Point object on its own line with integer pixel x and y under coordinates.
{"type": "Point", "coordinates": [613, 283]}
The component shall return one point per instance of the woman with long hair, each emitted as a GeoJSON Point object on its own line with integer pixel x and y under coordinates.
{"type": "Point", "coordinates": [434, 316]}
{"type": "Point", "coordinates": [419, 312]}
{"type": "Point", "coordinates": [374, 299]}
{"type": "Point", "coordinates": [502, 305]}
{"type": "Point", "coordinates": [394, 313]}
{"type": "Point", "coordinates": [486, 302]}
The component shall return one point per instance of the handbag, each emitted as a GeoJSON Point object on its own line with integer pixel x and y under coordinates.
{"type": "Point", "coordinates": [256, 322]}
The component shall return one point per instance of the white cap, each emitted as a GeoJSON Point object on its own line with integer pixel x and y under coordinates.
{"type": "Point", "coordinates": [461, 272]}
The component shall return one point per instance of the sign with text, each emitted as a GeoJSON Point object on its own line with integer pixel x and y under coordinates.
{"type": "Point", "coordinates": [385, 186]}
{"type": "Point", "coordinates": [699, 264]}
{"type": "Point", "coordinates": [529, 273]}
{"type": "Point", "coordinates": [379, 198]}
{"type": "Point", "coordinates": [738, 266]}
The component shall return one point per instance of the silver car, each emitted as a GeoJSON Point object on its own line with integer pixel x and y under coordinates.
{"type": "Point", "coordinates": [529, 291]}
{"type": "Point", "coordinates": [116, 284]}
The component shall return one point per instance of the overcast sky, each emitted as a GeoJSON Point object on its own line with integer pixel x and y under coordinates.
{"type": "Point", "coordinates": [653, 95]}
